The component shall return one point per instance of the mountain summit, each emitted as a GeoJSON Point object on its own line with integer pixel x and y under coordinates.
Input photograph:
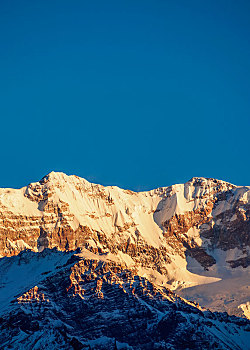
{"type": "Point", "coordinates": [76, 242]}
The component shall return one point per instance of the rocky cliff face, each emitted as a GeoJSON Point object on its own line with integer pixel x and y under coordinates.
{"type": "Point", "coordinates": [68, 212]}
{"type": "Point", "coordinates": [178, 238]}
{"type": "Point", "coordinates": [91, 301]}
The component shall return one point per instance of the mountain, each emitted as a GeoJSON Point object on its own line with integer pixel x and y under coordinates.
{"type": "Point", "coordinates": [88, 266]}
{"type": "Point", "coordinates": [83, 300]}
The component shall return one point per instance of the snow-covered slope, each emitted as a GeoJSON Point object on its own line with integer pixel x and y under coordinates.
{"type": "Point", "coordinates": [182, 236]}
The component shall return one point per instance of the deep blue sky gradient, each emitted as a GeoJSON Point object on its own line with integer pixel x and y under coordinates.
{"type": "Point", "coordinates": [138, 94]}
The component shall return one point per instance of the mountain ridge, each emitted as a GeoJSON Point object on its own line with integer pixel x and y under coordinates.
{"type": "Point", "coordinates": [179, 236]}
{"type": "Point", "coordinates": [67, 300]}
{"type": "Point", "coordinates": [87, 266]}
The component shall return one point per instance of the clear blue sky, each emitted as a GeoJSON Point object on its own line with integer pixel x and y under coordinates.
{"type": "Point", "coordinates": [138, 94]}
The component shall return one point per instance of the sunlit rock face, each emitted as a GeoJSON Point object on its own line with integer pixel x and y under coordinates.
{"type": "Point", "coordinates": [68, 212]}
{"type": "Point", "coordinates": [190, 238]}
